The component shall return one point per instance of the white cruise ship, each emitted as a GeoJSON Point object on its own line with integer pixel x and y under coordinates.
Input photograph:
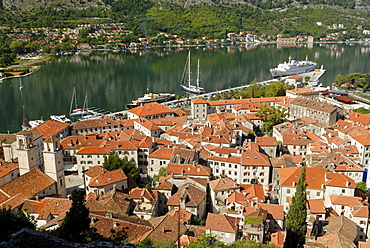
{"type": "Point", "coordinates": [293, 67]}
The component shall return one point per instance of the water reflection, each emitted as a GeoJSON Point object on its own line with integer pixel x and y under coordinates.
{"type": "Point", "coordinates": [113, 79]}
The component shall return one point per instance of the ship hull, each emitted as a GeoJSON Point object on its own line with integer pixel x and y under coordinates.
{"type": "Point", "coordinates": [283, 73]}
{"type": "Point", "coordinates": [193, 90]}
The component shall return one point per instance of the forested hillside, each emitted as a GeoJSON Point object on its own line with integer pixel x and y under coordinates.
{"type": "Point", "coordinates": [197, 18]}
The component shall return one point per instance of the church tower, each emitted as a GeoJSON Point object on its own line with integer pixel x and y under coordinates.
{"type": "Point", "coordinates": [27, 156]}
{"type": "Point", "coordinates": [53, 163]}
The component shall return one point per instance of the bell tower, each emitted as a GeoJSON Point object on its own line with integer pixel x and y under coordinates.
{"type": "Point", "coordinates": [27, 156]}
{"type": "Point", "coordinates": [53, 163]}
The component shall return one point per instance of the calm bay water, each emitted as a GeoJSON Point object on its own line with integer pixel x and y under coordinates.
{"type": "Point", "coordinates": [112, 80]}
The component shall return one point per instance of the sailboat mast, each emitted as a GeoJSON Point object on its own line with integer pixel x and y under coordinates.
{"type": "Point", "coordinates": [189, 77]}
{"type": "Point", "coordinates": [198, 74]}
{"type": "Point", "coordinates": [84, 108]}
{"type": "Point", "coordinates": [73, 97]}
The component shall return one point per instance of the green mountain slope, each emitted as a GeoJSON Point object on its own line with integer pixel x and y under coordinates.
{"type": "Point", "coordinates": [198, 18]}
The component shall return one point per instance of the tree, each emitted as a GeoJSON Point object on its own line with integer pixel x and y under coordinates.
{"type": "Point", "coordinates": [340, 79]}
{"type": "Point", "coordinates": [362, 186]}
{"type": "Point", "coordinates": [296, 226]}
{"type": "Point", "coordinates": [161, 173]}
{"type": "Point", "coordinates": [274, 89]}
{"type": "Point", "coordinates": [146, 242]}
{"type": "Point", "coordinates": [76, 224]}
{"type": "Point", "coordinates": [205, 240]}
{"type": "Point", "coordinates": [361, 110]}
{"type": "Point", "coordinates": [13, 222]}
{"type": "Point", "coordinates": [114, 162]}
{"type": "Point", "coordinates": [242, 243]}
{"type": "Point", "coordinates": [271, 116]}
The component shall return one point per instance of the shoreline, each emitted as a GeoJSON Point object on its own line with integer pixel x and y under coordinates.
{"type": "Point", "coordinates": [23, 65]}
{"type": "Point", "coordinates": [29, 64]}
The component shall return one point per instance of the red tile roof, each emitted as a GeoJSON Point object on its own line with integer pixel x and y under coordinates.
{"type": "Point", "coordinates": [165, 228]}
{"type": "Point", "coordinates": [189, 169]}
{"type": "Point", "coordinates": [276, 211]}
{"type": "Point", "coordinates": [32, 183]}
{"type": "Point", "coordinates": [199, 101]}
{"type": "Point", "coordinates": [346, 200]}
{"type": "Point", "coordinates": [315, 177]}
{"type": "Point", "coordinates": [222, 184]}
{"type": "Point", "coordinates": [95, 171]}
{"type": "Point", "coordinates": [222, 223]}
{"type": "Point", "coordinates": [192, 196]}
{"type": "Point", "coordinates": [316, 206]}
{"type": "Point", "coordinates": [254, 158]}
{"type": "Point", "coordinates": [164, 153]}
{"type": "Point", "coordinates": [266, 141]}
{"type": "Point", "coordinates": [253, 191]}
{"type": "Point", "coordinates": [138, 193]}
{"type": "Point", "coordinates": [339, 180]}
{"type": "Point", "coordinates": [108, 178]}
{"type": "Point", "coordinates": [149, 109]}
{"type": "Point", "coordinates": [93, 151]}
{"type": "Point", "coordinates": [50, 128]}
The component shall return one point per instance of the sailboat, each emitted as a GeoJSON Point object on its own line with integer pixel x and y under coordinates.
{"type": "Point", "coordinates": [77, 112]}
{"type": "Point", "coordinates": [195, 89]}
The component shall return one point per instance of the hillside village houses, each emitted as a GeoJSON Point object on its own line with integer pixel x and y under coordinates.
{"type": "Point", "coordinates": [217, 172]}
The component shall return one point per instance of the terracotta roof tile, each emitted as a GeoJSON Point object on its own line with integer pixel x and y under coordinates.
{"type": "Point", "coordinates": [189, 169]}
{"type": "Point", "coordinates": [346, 200]}
{"type": "Point", "coordinates": [339, 180]}
{"type": "Point", "coordinates": [316, 206]}
{"type": "Point", "coordinates": [165, 229]}
{"type": "Point", "coordinates": [138, 193]}
{"type": "Point", "coordinates": [95, 123]}
{"type": "Point", "coordinates": [149, 109]}
{"type": "Point", "coordinates": [253, 191]}
{"type": "Point", "coordinates": [344, 226]}
{"type": "Point", "coordinates": [7, 138]}
{"type": "Point", "coordinates": [317, 105]}
{"type": "Point", "coordinates": [192, 196]}
{"type": "Point", "coordinates": [108, 178]}
{"type": "Point", "coordinates": [135, 230]}
{"type": "Point", "coordinates": [93, 151]}
{"type": "Point", "coordinates": [315, 177]}
{"type": "Point", "coordinates": [361, 212]}
{"type": "Point", "coordinates": [222, 184]}
{"type": "Point", "coordinates": [48, 206]}
{"type": "Point", "coordinates": [164, 153]}
{"type": "Point", "coordinates": [199, 101]}
{"type": "Point", "coordinates": [32, 182]}
{"type": "Point", "coordinates": [222, 223]}
{"type": "Point", "coordinates": [50, 128]}
{"type": "Point", "coordinates": [266, 141]}
{"type": "Point", "coordinates": [95, 171]}
{"type": "Point", "coordinates": [254, 158]}
{"type": "Point", "coordinates": [276, 211]}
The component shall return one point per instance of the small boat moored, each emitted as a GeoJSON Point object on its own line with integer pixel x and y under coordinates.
{"type": "Point", "coordinates": [35, 123]}
{"type": "Point", "coordinates": [60, 118]}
